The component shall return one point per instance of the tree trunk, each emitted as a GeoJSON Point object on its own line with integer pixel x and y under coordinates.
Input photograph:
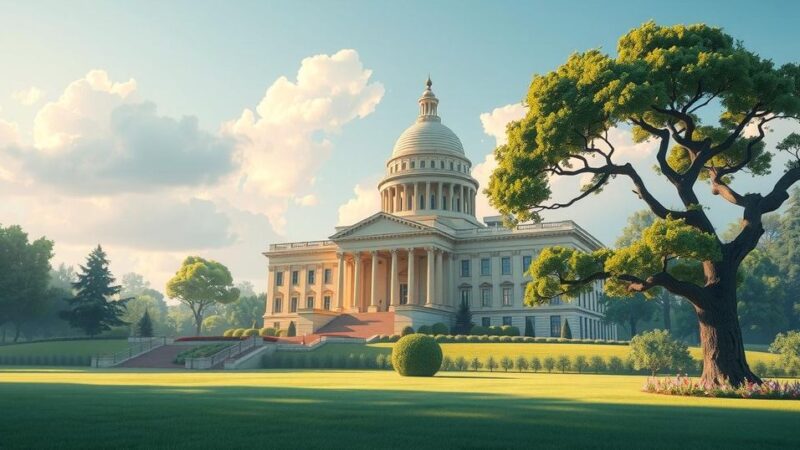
{"type": "Point", "coordinates": [666, 310]}
{"type": "Point", "coordinates": [632, 324]}
{"type": "Point", "coordinates": [724, 360]}
{"type": "Point", "coordinates": [16, 332]}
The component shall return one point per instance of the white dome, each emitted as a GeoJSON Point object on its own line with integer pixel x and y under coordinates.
{"type": "Point", "coordinates": [428, 137]}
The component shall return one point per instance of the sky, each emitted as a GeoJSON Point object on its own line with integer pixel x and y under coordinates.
{"type": "Point", "coordinates": [167, 129]}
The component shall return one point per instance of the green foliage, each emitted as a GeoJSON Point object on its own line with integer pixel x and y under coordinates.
{"type": "Point", "coordinates": [522, 363]}
{"type": "Point", "coordinates": [229, 332]}
{"type": "Point", "coordinates": [597, 364]}
{"type": "Point", "coordinates": [246, 311]}
{"type": "Point", "coordinates": [200, 351]}
{"type": "Point", "coordinates": [566, 332]}
{"type": "Point", "coordinates": [628, 311]}
{"type": "Point", "coordinates": [407, 330]}
{"type": "Point", "coordinates": [563, 363]}
{"type": "Point", "coordinates": [536, 364]}
{"type": "Point", "coordinates": [461, 364]}
{"type": "Point", "coordinates": [425, 329]}
{"type": "Point", "coordinates": [550, 364]}
{"type": "Point", "coordinates": [475, 364]}
{"type": "Point", "coordinates": [291, 329]}
{"type": "Point", "coordinates": [200, 284]}
{"type": "Point", "coordinates": [787, 346]}
{"type": "Point", "coordinates": [580, 364]}
{"type": "Point", "coordinates": [92, 309]}
{"type": "Point", "coordinates": [509, 330]}
{"type": "Point", "coordinates": [440, 328]}
{"type": "Point", "coordinates": [615, 364]}
{"type": "Point", "coordinates": [463, 322]}
{"type": "Point", "coordinates": [416, 355]}
{"type": "Point", "coordinates": [478, 330]}
{"type": "Point", "coordinates": [491, 363]}
{"type": "Point", "coordinates": [250, 333]}
{"type": "Point", "coordinates": [267, 331]}
{"type": "Point", "coordinates": [655, 350]}
{"type": "Point", "coordinates": [238, 332]}
{"type": "Point", "coordinates": [506, 363]}
{"type": "Point", "coordinates": [144, 328]}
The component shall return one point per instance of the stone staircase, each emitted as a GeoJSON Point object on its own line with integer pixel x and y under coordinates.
{"type": "Point", "coordinates": [160, 358]}
{"type": "Point", "coordinates": [360, 325]}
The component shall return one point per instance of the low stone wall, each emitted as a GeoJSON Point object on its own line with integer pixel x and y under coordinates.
{"type": "Point", "coordinates": [416, 316]}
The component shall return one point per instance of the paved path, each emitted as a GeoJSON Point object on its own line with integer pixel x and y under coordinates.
{"type": "Point", "coordinates": [160, 358]}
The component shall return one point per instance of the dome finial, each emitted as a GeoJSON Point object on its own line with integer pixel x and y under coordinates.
{"type": "Point", "coordinates": [429, 83]}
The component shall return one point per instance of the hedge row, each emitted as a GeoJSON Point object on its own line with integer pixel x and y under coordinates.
{"type": "Point", "coordinates": [459, 338]}
{"type": "Point", "coordinates": [296, 360]}
{"type": "Point", "coordinates": [549, 364]}
{"type": "Point", "coordinates": [774, 369]}
{"type": "Point", "coordinates": [45, 360]}
{"type": "Point", "coordinates": [264, 332]}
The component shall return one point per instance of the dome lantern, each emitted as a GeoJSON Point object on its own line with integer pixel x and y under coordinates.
{"type": "Point", "coordinates": [428, 104]}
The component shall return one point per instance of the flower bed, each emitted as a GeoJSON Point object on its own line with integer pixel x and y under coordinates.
{"type": "Point", "coordinates": [683, 385]}
{"type": "Point", "coordinates": [199, 352]}
{"type": "Point", "coordinates": [472, 338]}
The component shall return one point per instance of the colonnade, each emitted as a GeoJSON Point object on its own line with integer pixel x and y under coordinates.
{"type": "Point", "coordinates": [422, 279]}
{"type": "Point", "coordinates": [426, 195]}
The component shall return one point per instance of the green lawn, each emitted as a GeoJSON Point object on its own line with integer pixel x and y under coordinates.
{"type": "Point", "coordinates": [371, 409]}
{"type": "Point", "coordinates": [88, 347]}
{"type": "Point", "coordinates": [498, 350]}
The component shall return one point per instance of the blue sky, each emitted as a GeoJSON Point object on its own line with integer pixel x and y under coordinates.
{"type": "Point", "coordinates": [212, 60]}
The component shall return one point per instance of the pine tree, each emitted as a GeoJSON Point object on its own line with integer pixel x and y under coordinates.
{"type": "Point", "coordinates": [292, 331]}
{"type": "Point", "coordinates": [566, 332]}
{"type": "Point", "coordinates": [463, 319]}
{"type": "Point", "coordinates": [91, 309]}
{"type": "Point", "coordinates": [145, 326]}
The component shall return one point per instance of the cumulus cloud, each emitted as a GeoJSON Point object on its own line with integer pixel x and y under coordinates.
{"type": "Point", "coordinates": [285, 140]}
{"type": "Point", "coordinates": [307, 200]}
{"type": "Point", "coordinates": [29, 96]}
{"type": "Point", "coordinates": [367, 201]}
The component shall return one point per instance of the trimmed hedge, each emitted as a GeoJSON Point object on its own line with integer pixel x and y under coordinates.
{"type": "Point", "coordinates": [251, 332]}
{"type": "Point", "coordinates": [417, 355]}
{"type": "Point", "coordinates": [425, 329]}
{"type": "Point", "coordinates": [440, 329]}
{"type": "Point", "coordinates": [45, 360]}
{"type": "Point", "coordinates": [406, 331]}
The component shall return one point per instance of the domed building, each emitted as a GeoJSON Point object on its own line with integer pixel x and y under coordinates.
{"type": "Point", "coordinates": [423, 255]}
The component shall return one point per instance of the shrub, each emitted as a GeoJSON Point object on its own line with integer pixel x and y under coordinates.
{"type": "Point", "coordinates": [394, 338]}
{"type": "Point", "coordinates": [483, 338]}
{"type": "Point", "coordinates": [597, 364]}
{"type": "Point", "coordinates": [417, 355]}
{"type": "Point", "coordinates": [655, 350]}
{"type": "Point", "coordinates": [461, 364]}
{"type": "Point", "coordinates": [249, 333]}
{"type": "Point", "coordinates": [281, 333]}
{"type": "Point", "coordinates": [510, 330]}
{"type": "Point", "coordinates": [425, 329]}
{"type": "Point", "coordinates": [566, 332]}
{"type": "Point", "coordinates": [536, 364]}
{"type": "Point", "coordinates": [491, 363]}
{"type": "Point", "coordinates": [506, 363]}
{"type": "Point", "coordinates": [580, 364]}
{"type": "Point", "coordinates": [495, 330]}
{"type": "Point", "coordinates": [563, 364]}
{"type": "Point", "coordinates": [549, 364]}
{"type": "Point", "coordinates": [406, 331]}
{"type": "Point", "coordinates": [521, 363]}
{"type": "Point", "coordinates": [440, 328]}
{"type": "Point", "coordinates": [441, 338]}
{"type": "Point", "coordinates": [475, 364]}
{"type": "Point", "coordinates": [787, 346]}
{"type": "Point", "coordinates": [267, 332]}
{"type": "Point", "coordinates": [494, 338]}
{"type": "Point", "coordinates": [238, 332]}
{"type": "Point", "coordinates": [363, 361]}
{"type": "Point", "coordinates": [775, 369]}
{"type": "Point", "coordinates": [460, 338]}
{"type": "Point", "coordinates": [447, 363]}
{"type": "Point", "coordinates": [686, 386]}
{"type": "Point", "coordinates": [478, 330]}
{"type": "Point", "coordinates": [292, 331]}
{"type": "Point", "coordinates": [518, 339]}
{"type": "Point", "coordinates": [760, 368]}
{"type": "Point", "coordinates": [506, 339]}
{"type": "Point", "coordinates": [229, 332]}
{"type": "Point", "coordinates": [550, 340]}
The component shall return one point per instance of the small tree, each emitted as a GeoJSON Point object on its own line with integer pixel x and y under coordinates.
{"type": "Point", "coordinates": [563, 364]}
{"type": "Point", "coordinates": [597, 364]}
{"type": "Point", "coordinates": [566, 332]}
{"type": "Point", "coordinates": [491, 363]}
{"type": "Point", "coordinates": [144, 328]}
{"type": "Point", "coordinates": [549, 364]}
{"type": "Point", "coordinates": [292, 330]}
{"type": "Point", "coordinates": [580, 364]}
{"type": "Point", "coordinates": [92, 308]}
{"type": "Point", "coordinates": [522, 363]}
{"type": "Point", "coordinates": [461, 364]}
{"type": "Point", "coordinates": [536, 364]}
{"type": "Point", "coordinates": [615, 365]}
{"type": "Point", "coordinates": [655, 350]}
{"type": "Point", "coordinates": [787, 346]}
{"type": "Point", "coordinates": [475, 364]}
{"type": "Point", "coordinates": [506, 363]}
{"type": "Point", "coordinates": [200, 284]}
{"type": "Point", "coordinates": [463, 319]}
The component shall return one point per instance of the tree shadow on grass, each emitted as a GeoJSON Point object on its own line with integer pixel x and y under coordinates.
{"type": "Point", "coordinates": [41, 415]}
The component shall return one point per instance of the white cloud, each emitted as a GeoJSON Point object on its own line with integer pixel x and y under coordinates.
{"type": "Point", "coordinates": [284, 142]}
{"type": "Point", "coordinates": [307, 200]}
{"type": "Point", "coordinates": [29, 96]}
{"type": "Point", "coordinates": [367, 201]}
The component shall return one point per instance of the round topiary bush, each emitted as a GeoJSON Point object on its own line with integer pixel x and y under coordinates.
{"type": "Point", "coordinates": [440, 328]}
{"type": "Point", "coordinates": [267, 331]}
{"type": "Point", "coordinates": [478, 330]}
{"type": "Point", "coordinates": [417, 355]}
{"type": "Point", "coordinates": [229, 333]}
{"type": "Point", "coordinates": [407, 330]}
{"type": "Point", "coordinates": [250, 332]}
{"type": "Point", "coordinates": [424, 329]}
{"type": "Point", "coordinates": [238, 332]}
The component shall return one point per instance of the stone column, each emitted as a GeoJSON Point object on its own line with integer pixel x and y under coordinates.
{"type": "Point", "coordinates": [340, 284]}
{"type": "Point", "coordinates": [412, 286]}
{"type": "Point", "coordinates": [395, 282]}
{"type": "Point", "coordinates": [373, 296]}
{"type": "Point", "coordinates": [431, 290]}
{"type": "Point", "coordinates": [439, 278]}
{"type": "Point", "coordinates": [428, 195]}
{"type": "Point", "coordinates": [464, 208]}
{"type": "Point", "coordinates": [451, 199]}
{"type": "Point", "coordinates": [439, 200]}
{"type": "Point", "coordinates": [396, 198]}
{"type": "Point", "coordinates": [413, 194]}
{"type": "Point", "coordinates": [357, 281]}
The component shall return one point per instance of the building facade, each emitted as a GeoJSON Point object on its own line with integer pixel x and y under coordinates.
{"type": "Point", "coordinates": [425, 253]}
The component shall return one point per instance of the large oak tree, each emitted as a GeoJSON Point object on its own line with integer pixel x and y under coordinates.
{"type": "Point", "coordinates": [665, 83]}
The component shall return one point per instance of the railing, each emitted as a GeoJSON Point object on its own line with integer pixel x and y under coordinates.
{"type": "Point", "coordinates": [566, 224]}
{"type": "Point", "coordinates": [132, 351]}
{"type": "Point", "coordinates": [306, 244]}
{"type": "Point", "coordinates": [209, 362]}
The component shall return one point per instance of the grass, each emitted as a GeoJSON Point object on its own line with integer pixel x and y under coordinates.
{"type": "Point", "coordinates": [84, 348]}
{"type": "Point", "coordinates": [498, 350]}
{"type": "Point", "coordinates": [369, 409]}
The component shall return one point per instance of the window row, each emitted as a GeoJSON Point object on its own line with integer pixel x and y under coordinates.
{"type": "Point", "coordinates": [441, 164]}
{"type": "Point", "coordinates": [507, 296]}
{"type": "Point", "coordinates": [486, 266]}
{"type": "Point", "coordinates": [277, 304]}
{"type": "Point", "coordinates": [311, 277]}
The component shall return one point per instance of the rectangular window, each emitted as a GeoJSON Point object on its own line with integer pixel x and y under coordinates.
{"type": "Point", "coordinates": [326, 302]}
{"type": "Point", "coordinates": [311, 276]}
{"type": "Point", "coordinates": [507, 296]}
{"type": "Point", "coordinates": [465, 263]}
{"type": "Point", "coordinates": [486, 268]}
{"type": "Point", "coordinates": [486, 322]}
{"type": "Point", "coordinates": [507, 320]}
{"type": "Point", "coordinates": [433, 202]}
{"type": "Point", "coordinates": [486, 297]}
{"type": "Point", "coordinates": [444, 202]}
{"type": "Point", "coordinates": [422, 164]}
{"type": "Point", "coordinates": [293, 305]}
{"type": "Point", "coordinates": [555, 326]}
{"type": "Point", "coordinates": [555, 301]}
{"type": "Point", "coordinates": [465, 297]}
{"type": "Point", "coordinates": [295, 278]}
{"type": "Point", "coordinates": [422, 201]}
{"type": "Point", "coordinates": [413, 164]}
{"type": "Point", "coordinates": [530, 329]}
{"type": "Point", "coordinates": [403, 293]}
{"type": "Point", "coordinates": [279, 278]}
{"type": "Point", "coordinates": [276, 325]}
{"type": "Point", "coordinates": [310, 302]}
{"type": "Point", "coordinates": [327, 274]}
{"type": "Point", "coordinates": [526, 262]}
{"type": "Point", "coordinates": [505, 265]}
{"type": "Point", "coordinates": [277, 305]}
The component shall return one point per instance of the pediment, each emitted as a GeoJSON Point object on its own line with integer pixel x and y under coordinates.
{"type": "Point", "coordinates": [381, 224]}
